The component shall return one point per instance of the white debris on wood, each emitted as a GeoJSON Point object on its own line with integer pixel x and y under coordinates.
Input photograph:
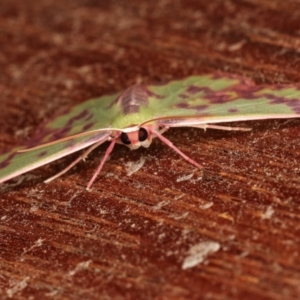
{"type": "Point", "coordinates": [132, 167]}
{"type": "Point", "coordinates": [198, 253]}
{"type": "Point", "coordinates": [184, 177]}
{"type": "Point", "coordinates": [206, 205]}
{"type": "Point", "coordinates": [17, 287]}
{"type": "Point", "coordinates": [80, 267]}
{"type": "Point", "coordinates": [268, 213]}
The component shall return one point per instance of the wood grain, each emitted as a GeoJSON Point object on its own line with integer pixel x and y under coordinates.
{"type": "Point", "coordinates": [168, 231]}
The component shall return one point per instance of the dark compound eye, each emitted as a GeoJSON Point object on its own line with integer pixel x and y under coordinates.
{"type": "Point", "coordinates": [124, 138]}
{"type": "Point", "coordinates": [143, 134]}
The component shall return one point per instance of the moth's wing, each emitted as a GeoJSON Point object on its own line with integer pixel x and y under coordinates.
{"type": "Point", "coordinates": [15, 163]}
{"type": "Point", "coordinates": [94, 114]}
{"type": "Point", "coordinates": [221, 98]}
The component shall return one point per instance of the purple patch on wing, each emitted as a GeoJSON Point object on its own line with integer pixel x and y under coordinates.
{"type": "Point", "coordinates": [61, 133]}
{"type": "Point", "coordinates": [7, 161]}
{"type": "Point", "coordinates": [88, 117]}
{"type": "Point", "coordinates": [275, 100]}
{"type": "Point", "coordinates": [42, 154]}
{"type": "Point", "coordinates": [183, 105]}
{"type": "Point", "coordinates": [242, 91]}
{"type": "Point", "coordinates": [71, 143]}
{"type": "Point", "coordinates": [233, 110]}
{"type": "Point", "coordinates": [153, 95]}
{"type": "Point", "coordinates": [4, 164]}
{"type": "Point", "coordinates": [295, 105]}
{"type": "Point", "coordinates": [87, 126]}
{"type": "Point", "coordinates": [200, 108]}
{"type": "Point", "coordinates": [193, 89]}
{"type": "Point", "coordinates": [183, 96]}
{"type": "Point", "coordinates": [245, 90]}
{"type": "Point", "coordinates": [80, 116]}
{"type": "Point", "coordinates": [42, 136]}
{"type": "Point", "coordinates": [218, 98]}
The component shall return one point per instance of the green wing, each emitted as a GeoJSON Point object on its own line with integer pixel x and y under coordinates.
{"type": "Point", "coordinates": [83, 118]}
{"type": "Point", "coordinates": [13, 163]}
{"type": "Point", "coordinates": [223, 97]}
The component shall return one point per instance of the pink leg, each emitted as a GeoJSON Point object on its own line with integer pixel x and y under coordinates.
{"type": "Point", "coordinates": [105, 157]}
{"type": "Point", "coordinates": [224, 127]}
{"type": "Point", "coordinates": [82, 156]}
{"type": "Point", "coordinates": [170, 144]}
{"type": "Point", "coordinates": [204, 126]}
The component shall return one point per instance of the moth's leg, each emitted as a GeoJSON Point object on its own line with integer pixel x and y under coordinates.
{"type": "Point", "coordinates": [105, 157]}
{"type": "Point", "coordinates": [170, 144]}
{"type": "Point", "coordinates": [81, 157]}
{"type": "Point", "coordinates": [229, 128]}
{"type": "Point", "coordinates": [189, 123]}
{"type": "Point", "coordinates": [163, 129]}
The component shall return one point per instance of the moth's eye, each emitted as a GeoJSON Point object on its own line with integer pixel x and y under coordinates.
{"type": "Point", "coordinates": [124, 138]}
{"type": "Point", "coordinates": [143, 134]}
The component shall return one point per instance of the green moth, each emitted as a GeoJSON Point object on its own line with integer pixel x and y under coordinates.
{"type": "Point", "coordinates": [143, 112]}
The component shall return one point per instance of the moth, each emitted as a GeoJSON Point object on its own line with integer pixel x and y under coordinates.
{"type": "Point", "coordinates": [143, 112]}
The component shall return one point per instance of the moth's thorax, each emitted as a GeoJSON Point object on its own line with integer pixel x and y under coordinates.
{"type": "Point", "coordinates": [132, 98]}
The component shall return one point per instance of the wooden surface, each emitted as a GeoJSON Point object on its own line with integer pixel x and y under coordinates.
{"type": "Point", "coordinates": [168, 231]}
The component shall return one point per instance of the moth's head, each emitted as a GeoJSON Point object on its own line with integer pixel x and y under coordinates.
{"type": "Point", "coordinates": [136, 137]}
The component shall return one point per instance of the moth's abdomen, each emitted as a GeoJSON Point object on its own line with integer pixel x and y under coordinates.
{"type": "Point", "coordinates": [132, 98]}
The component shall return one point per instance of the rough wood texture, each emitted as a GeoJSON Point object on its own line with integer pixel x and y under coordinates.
{"type": "Point", "coordinates": [131, 236]}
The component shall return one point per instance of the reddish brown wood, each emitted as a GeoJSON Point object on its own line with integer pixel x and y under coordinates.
{"type": "Point", "coordinates": [129, 236]}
